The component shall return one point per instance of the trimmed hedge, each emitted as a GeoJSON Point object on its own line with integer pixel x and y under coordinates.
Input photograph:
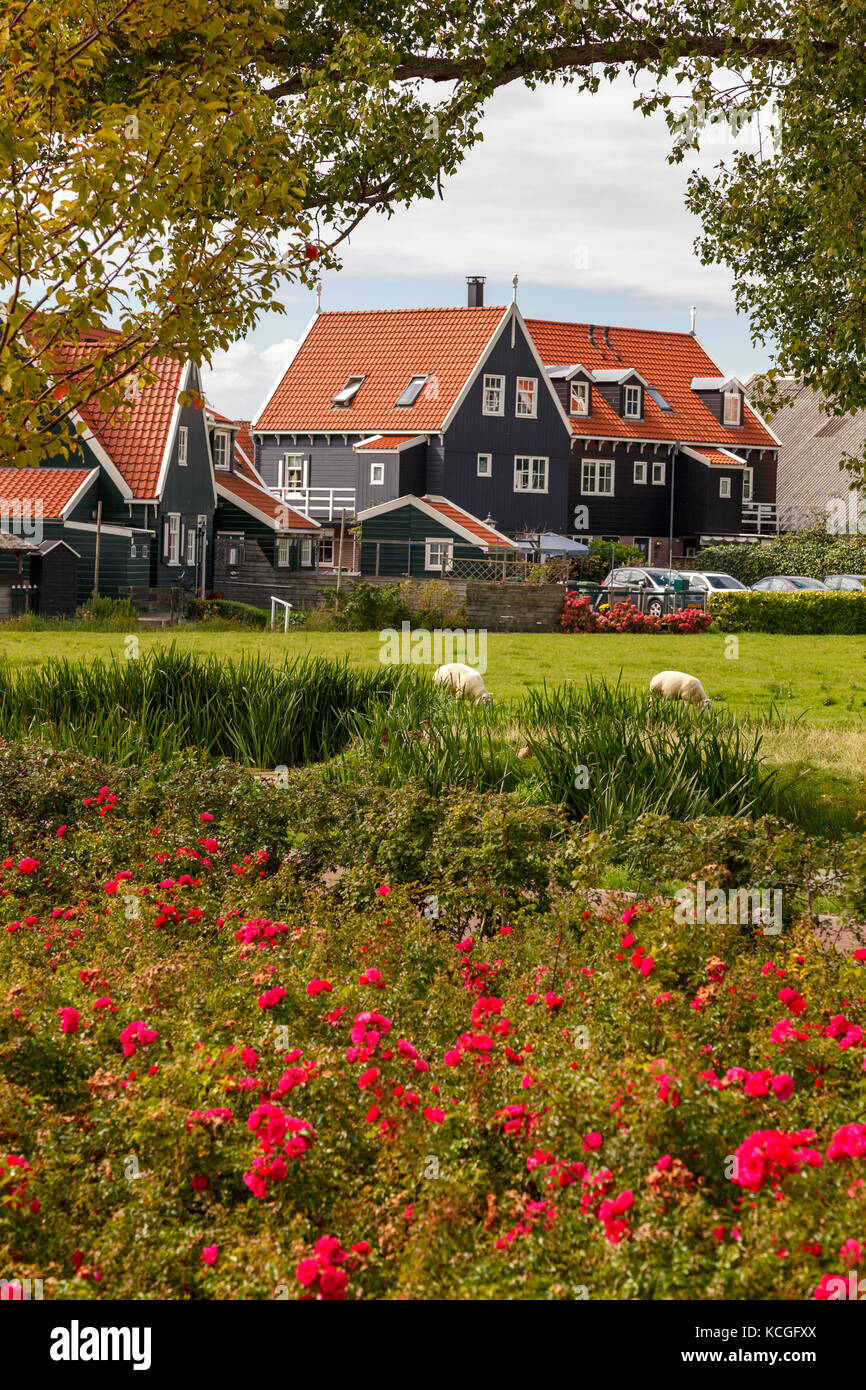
{"type": "Point", "coordinates": [205, 610]}
{"type": "Point", "coordinates": [809, 612]}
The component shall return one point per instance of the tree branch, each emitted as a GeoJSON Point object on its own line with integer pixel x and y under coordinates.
{"type": "Point", "coordinates": [725, 50]}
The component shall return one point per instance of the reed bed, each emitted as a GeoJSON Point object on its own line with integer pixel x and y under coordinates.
{"type": "Point", "coordinates": [169, 701]}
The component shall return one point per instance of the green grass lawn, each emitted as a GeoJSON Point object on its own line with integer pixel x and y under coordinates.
{"type": "Point", "coordinates": [819, 679]}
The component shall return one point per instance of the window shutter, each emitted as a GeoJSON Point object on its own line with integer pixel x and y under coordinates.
{"type": "Point", "coordinates": [165, 538]}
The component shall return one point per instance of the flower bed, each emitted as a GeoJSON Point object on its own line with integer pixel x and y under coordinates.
{"type": "Point", "coordinates": [222, 1079]}
{"type": "Point", "coordinates": [579, 616]}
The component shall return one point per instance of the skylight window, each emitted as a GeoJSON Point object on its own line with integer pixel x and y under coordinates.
{"type": "Point", "coordinates": [413, 390]}
{"type": "Point", "coordinates": [349, 391]}
{"type": "Point", "coordinates": [659, 398]}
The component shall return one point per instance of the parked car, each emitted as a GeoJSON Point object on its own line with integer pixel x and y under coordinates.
{"type": "Point", "coordinates": [652, 581]}
{"type": "Point", "coordinates": [710, 582]}
{"type": "Point", "coordinates": [787, 583]}
{"type": "Point", "coordinates": [848, 583]}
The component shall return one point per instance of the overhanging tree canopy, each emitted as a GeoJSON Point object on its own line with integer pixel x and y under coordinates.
{"type": "Point", "coordinates": [164, 168]}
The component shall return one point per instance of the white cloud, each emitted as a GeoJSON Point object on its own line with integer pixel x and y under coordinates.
{"type": "Point", "coordinates": [238, 380]}
{"type": "Point", "coordinates": [568, 189]}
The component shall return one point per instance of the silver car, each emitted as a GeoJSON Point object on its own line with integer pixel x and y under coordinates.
{"type": "Point", "coordinates": [710, 582]}
{"type": "Point", "coordinates": [787, 583]}
{"type": "Point", "coordinates": [848, 583]}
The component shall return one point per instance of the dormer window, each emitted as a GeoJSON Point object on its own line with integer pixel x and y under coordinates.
{"type": "Point", "coordinates": [220, 449]}
{"type": "Point", "coordinates": [413, 391]}
{"type": "Point", "coordinates": [631, 402]}
{"type": "Point", "coordinates": [348, 393]}
{"type": "Point", "coordinates": [733, 407]}
{"type": "Point", "coordinates": [579, 398]}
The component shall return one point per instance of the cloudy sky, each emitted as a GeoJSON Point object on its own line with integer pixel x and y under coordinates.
{"type": "Point", "coordinates": [571, 192]}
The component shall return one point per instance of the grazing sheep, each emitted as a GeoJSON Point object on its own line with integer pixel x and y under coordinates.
{"type": "Point", "coordinates": [465, 681]}
{"type": "Point", "coordinates": [676, 685]}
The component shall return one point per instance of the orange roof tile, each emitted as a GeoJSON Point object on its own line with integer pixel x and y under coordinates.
{"type": "Point", "coordinates": [248, 495]}
{"type": "Point", "coordinates": [468, 522]}
{"type": "Point", "coordinates": [387, 347]}
{"type": "Point", "coordinates": [667, 361]}
{"type": "Point", "coordinates": [244, 442]}
{"type": "Point", "coordinates": [384, 443]}
{"type": "Point", "coordinates": [133, 435]}
{"type": "Point", "coordinates": [53, 488]}
{"type": "Point", "coordinates": [720, 457]}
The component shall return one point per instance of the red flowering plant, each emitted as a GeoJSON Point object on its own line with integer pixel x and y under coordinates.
{"type": "Point", "coordinates": [224, 1083]}
{"type": "Point", "coordinates": [578, 615]}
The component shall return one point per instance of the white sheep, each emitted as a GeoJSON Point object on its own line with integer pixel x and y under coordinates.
{"type": "Point", "coordinates": [676, 685]}
{"type": "Point", "coordinates": [465, 681]}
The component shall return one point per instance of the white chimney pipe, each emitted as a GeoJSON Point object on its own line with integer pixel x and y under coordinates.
{"type": "Point", "coordinates": [694, 313]}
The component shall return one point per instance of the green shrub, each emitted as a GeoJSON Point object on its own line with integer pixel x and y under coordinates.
{"type": "Point", "coordinates": [110, 614]}
{"type": "Point", "coordinates": [240, 614]}
{"type": "Point", "coordinates": [363, 607]}
{"type": "Point", "coordinates": [807, 612]}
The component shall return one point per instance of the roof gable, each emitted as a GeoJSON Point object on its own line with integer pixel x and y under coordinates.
{"type": "Point", "coordinates": [455, 518]}
{"type": "Point", "coordinates": [134, 438]}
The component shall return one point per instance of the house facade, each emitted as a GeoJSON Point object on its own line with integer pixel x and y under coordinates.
{"type": "Point", "coordinates": [451, 403]}
{"type": "Point", "coordinates": [812, 484]}
{"type": "Point", "coordinates": [662, 441]}
{"type": "Point", "coordinates": [526, 425]}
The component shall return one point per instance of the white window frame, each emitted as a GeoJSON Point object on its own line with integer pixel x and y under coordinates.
{"type": "Point", "coordinates": [377, 473]}
{"type": "Point", "coordinates": [493, 395]}
{"type": "Point", "coordinates": [735, 398]}
{"type": "Point", "coordinates": [438, 544]}
{"type": "Point", "coordinates": [326, 541]}
{"type": "Point", "coordinates": [221, 444]}
{"type": "Point", "coordinates": [182, 445]}
{"type": "Point", "coordinates": [628, 414]}
{"type": "Point", "coordinates": [283, 469]}
{"type": "Point", "coordinates": [659, 466]}
{"type": "Point", "coordinates": [748, 484]}
{"type": "Point", "coordinates": [485, 471]}
{"type": "Point", "coordinates": [306, 556]}
{"type": "Point", "coordinates": [725, 486]}
{"type": "Point", "coordinates": [526, 395]}
{"type": "Point", "coordinates": [284, 551]}
{"type": "Point", "coordinates": [592, 488]}
{"type": "Point", "coordinates": [173, 538]}
{"type": "Point", "coordinates": [190, 545]}
{"type": "Point", "coordinates": [580, 387]}
{"type": "Point", "coordinates": [527, 465]}
{"type": "Point", "coordinates": [640, 466]}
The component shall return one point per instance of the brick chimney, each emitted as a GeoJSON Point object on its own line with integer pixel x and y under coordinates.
{"type": "Point", "coordinates": [475, 286]}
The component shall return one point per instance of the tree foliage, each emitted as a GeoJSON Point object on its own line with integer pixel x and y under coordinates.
{"type": "Point", "coordinates": [163, 169]}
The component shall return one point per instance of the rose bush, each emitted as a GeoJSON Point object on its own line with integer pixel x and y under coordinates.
{"type": "Point", "coordinates": [578, 615]}
{"type": "Point", "coordinates": [596, 1101]}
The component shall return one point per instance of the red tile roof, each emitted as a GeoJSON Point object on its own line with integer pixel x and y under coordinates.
{"type": "Point", "coordinates": [386, 442]}
{"type": "Point", "coordinates": [387, 347]}
{"type": "Point", "coordinates": [667, 361]}
{"type": "Point", "coordinates": [248, 495]}
{"type": "Point", "coordinates": [469, 522]}
{"type": "Point", "coordinates": [719, 457]}
{"type": "Point", "coordinates": [133, 435]}
{"type": "Point", "coordinates": [52, 487]}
